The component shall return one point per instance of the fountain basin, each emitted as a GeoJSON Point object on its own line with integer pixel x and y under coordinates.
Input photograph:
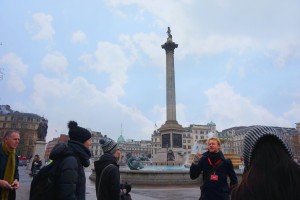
{"type": "Point", "coordinates": [156, 175]}
{"type": "Point", "coordinates": [159, 176]}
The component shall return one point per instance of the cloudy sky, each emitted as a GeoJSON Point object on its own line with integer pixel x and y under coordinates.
{"type": "Point", "coordinates": [101, 64]}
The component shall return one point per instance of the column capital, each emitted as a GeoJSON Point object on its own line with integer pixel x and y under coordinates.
{"type": "Point", "coordinates": [169, 46]}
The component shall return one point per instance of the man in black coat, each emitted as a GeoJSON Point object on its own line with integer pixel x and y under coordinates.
{"type": "Point", "coordinates": [107, 171]}
{"type": "Point", "coordinates": [73, 157]}
{"type": "Point", "coordinates": [215, 170]}
{"type": "Point", "coordinates": [9, 173]}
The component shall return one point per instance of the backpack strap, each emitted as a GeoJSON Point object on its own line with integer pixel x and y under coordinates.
{"type": "Point", "coordinates": [105, 168]}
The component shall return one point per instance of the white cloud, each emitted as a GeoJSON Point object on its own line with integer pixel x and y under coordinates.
{"type": "Point", "coordinates": [294, 113]}
{"type": "Point", "coordinates": [150, 44]}
{"type": "Point", "coordinates": [111, 59]}
{"type": "Point", "coordinates": [213, 27]}
{"type": "Point", "coordinates": [284, 50]}
{"type": "Point", "coordinates": [180, 115]}
{"type": "Point", "coordinates": [161, 112]}
{"type": "Point", "coordinates": [81, 101]}
{"type": "Point", "coordinates": [55, 62]}
{"type": "Point", "coordinates": [16, 71]}
{"type": "Point", "coordinates": [228, 109]}
{"type": "Point", "coordinates": [47, 89]}
{"type": "Point", "coordinates": [78, 37]}
{"type": "Point", "coordinates": [41, 26]}
{"type": "Point", "coordinates": [141, 44]}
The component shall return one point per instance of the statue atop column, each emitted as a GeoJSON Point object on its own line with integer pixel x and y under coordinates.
{"type": "Point", "coordinates": [42, 129]}
{"type": "Point", "coordinates": [169, 34]}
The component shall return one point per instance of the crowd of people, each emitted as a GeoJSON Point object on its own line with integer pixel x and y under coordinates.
{"type": "Point", "coordinates": [270, 171]}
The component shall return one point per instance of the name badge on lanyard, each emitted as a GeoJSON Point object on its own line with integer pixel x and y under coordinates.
{"type": "Point", "coordinates": [214, 176]}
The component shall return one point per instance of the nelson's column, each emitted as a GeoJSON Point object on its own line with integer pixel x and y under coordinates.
{"type": "Point", "coordinates": [170, 132]}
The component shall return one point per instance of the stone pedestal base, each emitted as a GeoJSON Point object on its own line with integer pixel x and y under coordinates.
{"type": "Point", "coordinates": [40, 150]}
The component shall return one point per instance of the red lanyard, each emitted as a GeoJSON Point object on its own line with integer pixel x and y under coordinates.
{"type": "Point", "coordinates": [213, 164]}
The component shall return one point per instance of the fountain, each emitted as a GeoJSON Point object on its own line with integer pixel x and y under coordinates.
{"type": "Point", "coordinates": [158, 175]}
{"type": "Point", "coordinates": [155, 175]}
{"type": "Point", "coordinates": [198, 147]}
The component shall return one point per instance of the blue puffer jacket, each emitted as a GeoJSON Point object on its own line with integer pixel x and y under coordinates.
{"type": "Point", "coordinates": [71, 182]}
{"type": "Point", "coordinates": [214, 189]}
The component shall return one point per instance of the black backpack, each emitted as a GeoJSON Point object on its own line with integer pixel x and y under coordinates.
{"type": "Point", "coordinates": [43, 185]}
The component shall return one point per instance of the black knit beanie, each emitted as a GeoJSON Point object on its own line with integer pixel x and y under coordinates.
{"type": "Point", "coordinates": [78, 133]}
{"type": "Point", "coordinates": [108, 145]}
{"type": "Point", "coordinates": [256, 134]}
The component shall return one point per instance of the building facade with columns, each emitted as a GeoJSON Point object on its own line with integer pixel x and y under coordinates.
{"type": "Point", "coordinates": [26, 123]}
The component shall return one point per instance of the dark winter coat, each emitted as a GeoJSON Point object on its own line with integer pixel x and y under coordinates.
{"type": "Point", "coordinates": [71, 182]}
{"type": "Point", "coordinates": [211, 189]}
{"type": "Point", "coordinates": [110, 181]}
{"type": "Point", "coordinates": [3, 161]}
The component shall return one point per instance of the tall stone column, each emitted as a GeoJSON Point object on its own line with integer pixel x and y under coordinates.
{"type": "Point", "coordinates": [171, 132]}
{"type": "Point", "coordinates": [169, 46]}
{"type": "Point", "coordinates": [171, 122]}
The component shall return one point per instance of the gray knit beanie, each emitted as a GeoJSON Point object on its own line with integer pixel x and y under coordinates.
{"type": "Point", "coordinates": [257, 133]}
{"type": "Point", "coordinates": [108, 145]}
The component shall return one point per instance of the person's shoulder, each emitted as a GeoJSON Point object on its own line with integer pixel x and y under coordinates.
{"type": "Point", "coordinates": [112, 167]}
{"type": "Point", "coordinates": [69, 158]}
{"type": "Point", "coordinates": [69, 161]}
{"type": "Point", "coordinates": [228, 161]}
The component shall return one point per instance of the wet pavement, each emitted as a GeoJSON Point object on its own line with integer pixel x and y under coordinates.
{"type": "Point", "coordinates": [138, 192]}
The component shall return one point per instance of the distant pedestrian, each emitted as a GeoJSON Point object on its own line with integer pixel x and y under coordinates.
{"type": "Point", "coordinates": [270, 171]}
{"type": "Point", "coordinates": [72, 158]}
{"type": "Point", "coordinates": [215, 170]}
{"type": "Point", "coordinates": [107, 172]}
{"type": "Point", "coordinates": [36, 165]}
{"type": "Point", "coordinates": [9, 174]}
